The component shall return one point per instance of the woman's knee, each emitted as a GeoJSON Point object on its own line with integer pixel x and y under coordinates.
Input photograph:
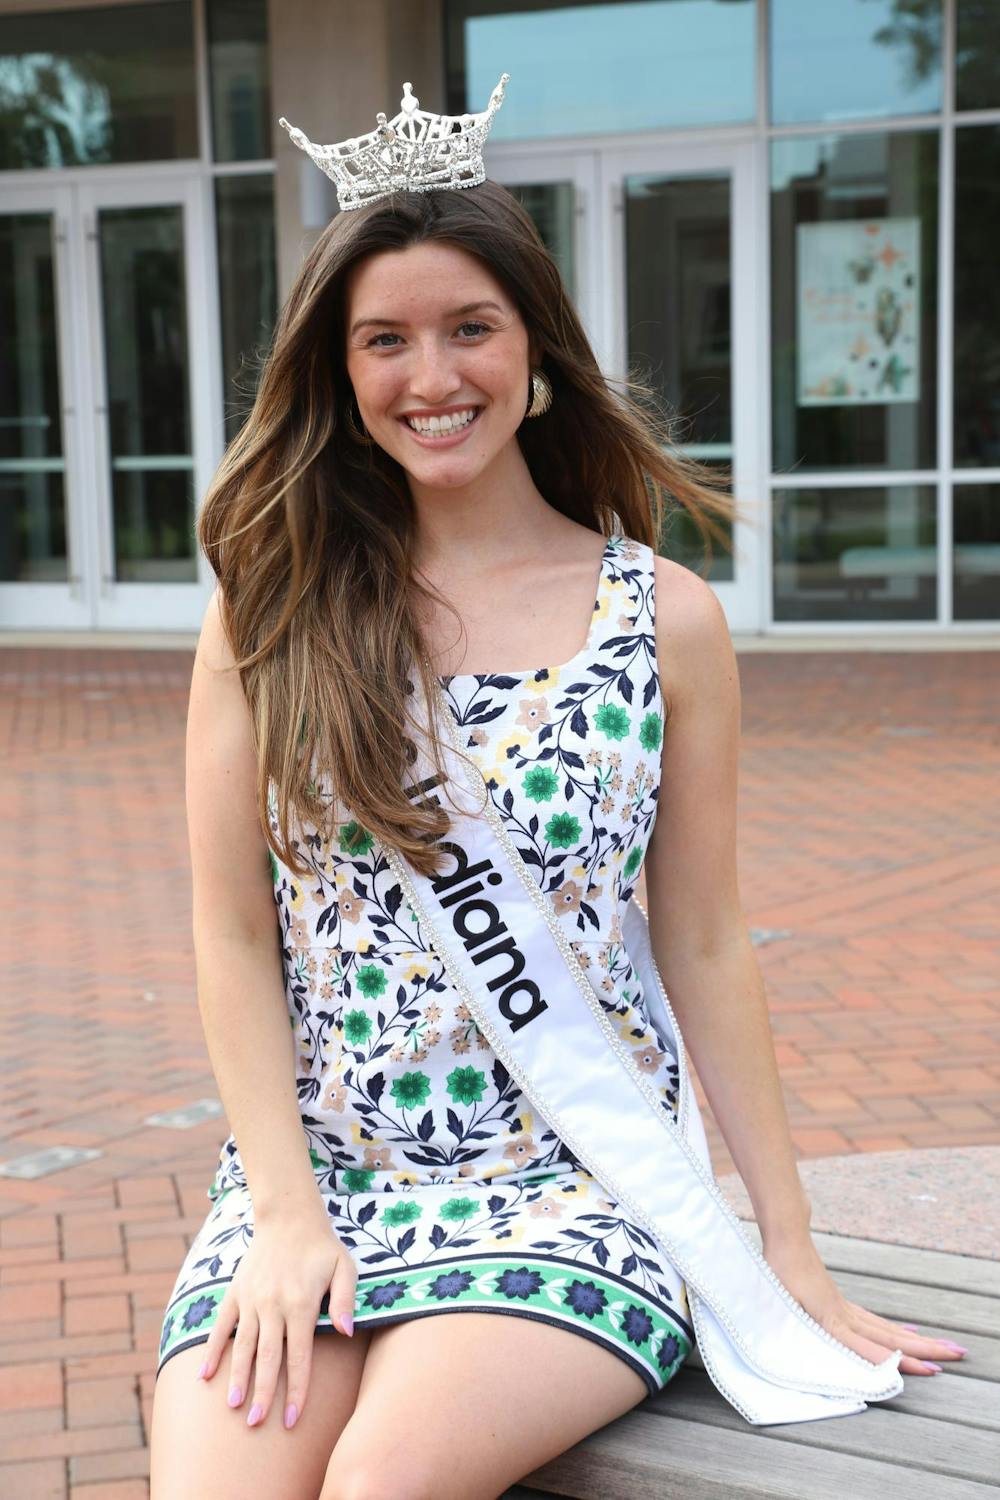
{"type": "Point", "coordinates": [202, 1449]}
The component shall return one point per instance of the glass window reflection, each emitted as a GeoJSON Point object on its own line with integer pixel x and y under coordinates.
{"type": "Point", "coordinates": [239, 80]}
{"type": "Point", "coordinates": [80, 87]}
{"type": "Point", "coordinates": [862, 554]}
{"type": "Point", "coordinates": [977, 55]}
{"type": "Point", "coordinates": [589, 68]}
{"type": "Point", "coordinates": [32, 465]}
{"type": "Point", "coordinates": [244, 208]}
{"type": "Point", "coordinates": [849, 59]}
{"type": "Point", "coordinates": [976, 552]}
{"type": "Point", "coordinates": [854, 294]}
{"type": "Point", "coordinates": [977, 296]}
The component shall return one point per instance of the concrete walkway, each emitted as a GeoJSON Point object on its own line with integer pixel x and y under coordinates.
{"type": "Point", "coordinates": [870, 876]}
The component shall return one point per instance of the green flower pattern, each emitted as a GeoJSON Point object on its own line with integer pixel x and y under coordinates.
{"type": "Point", "coordinates": [437, 1175]}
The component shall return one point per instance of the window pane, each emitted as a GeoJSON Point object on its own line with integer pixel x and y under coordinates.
{"type": "Point", "coordinates": [841, 59]}
{"type": "Point", "coordinates": [977, 296]}
{"type": "Point", "coordinates": [976, 549]}
{"type": "Point", "coordinates": [238, 72]}
{"type": "Point", "coordinates": [79, 87]}
{"type": "Point", "coordinates": [977, 59]}
{"type": "Point", "coordinates": [592, 68]}
{"type": "Point", "coordinates": [244, 209]}
{"type": "Point", "coordinates": [854, 292]}
{"type": "Point", "coordinates": [32, 504]}
{"type": "Point", "coordinates": [864, 554]}
{"type": "Point", "coordinates": [552, 206]}
{"type": "Point", "coordinates": [679, 324]}
{"type": "Point", "coordinates": [144, 306]}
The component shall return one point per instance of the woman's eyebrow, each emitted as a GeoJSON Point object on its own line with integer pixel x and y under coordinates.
{"type": "Point", "coordinates": [455, 312]}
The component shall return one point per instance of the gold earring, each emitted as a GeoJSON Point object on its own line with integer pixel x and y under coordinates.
{"type": "Point", "coordinates": [541, 394]}
{"type": "Point", "coordinates": [356, 432]}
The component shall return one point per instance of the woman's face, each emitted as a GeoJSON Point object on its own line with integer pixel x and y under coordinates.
{"type": "Point", "coordinates": [432, 334]}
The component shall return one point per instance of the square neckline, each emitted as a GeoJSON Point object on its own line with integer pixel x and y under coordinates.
{"type": "Point", "coordinates": [584, 650]}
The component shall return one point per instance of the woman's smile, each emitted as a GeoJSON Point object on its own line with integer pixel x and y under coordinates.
{"type": "Point", "coordinates": [444, 431]}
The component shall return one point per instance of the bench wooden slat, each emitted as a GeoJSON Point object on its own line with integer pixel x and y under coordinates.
{"type": "Point", "coordinates": [644, 1457]}
{"type": "Point", "coordinates": [931, 1308]}
{"type": "Point", "coordinates": [883, 1429]}
{"type": "Point", "coordinates": [900, 1263]}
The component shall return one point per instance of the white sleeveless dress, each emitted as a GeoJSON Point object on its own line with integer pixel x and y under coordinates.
{"type": "Point", "coordinates": [447, 1188]}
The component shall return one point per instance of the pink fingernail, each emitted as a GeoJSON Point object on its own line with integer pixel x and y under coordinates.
{"type": "Point", "coordinates": [290, 1414]}
{"type": "Point", "coordinates": [235, 1395]}
{"type": "Point", "coordinates": [203, 1371]}
{"type": "Point", "coordinates": [932, 1366]}
{"type": "Point", "coordinates": [347, 1321]}
{"type": "Point", "coordinates": [911, 1326]}
{"type": "Point", "coordinates": [256, 1412]}
{"type": "Point", "coordinates": [957, 1347]}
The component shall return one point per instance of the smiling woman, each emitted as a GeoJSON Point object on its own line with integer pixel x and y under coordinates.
{"type": "Point", "coordinates": [452, 1082]}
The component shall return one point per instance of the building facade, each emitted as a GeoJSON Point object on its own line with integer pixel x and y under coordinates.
{"type": "Point", "coordinates": [783, 215]}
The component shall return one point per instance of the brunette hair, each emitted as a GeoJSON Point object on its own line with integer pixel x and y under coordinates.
{"type": "Point", "coordinates": [311, 533]}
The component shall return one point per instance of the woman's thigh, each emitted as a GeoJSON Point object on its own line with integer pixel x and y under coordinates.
{"type": "Point", "coordinates": [202, 1449]}
{"type": "Point", "coordinates": [458, 1406]}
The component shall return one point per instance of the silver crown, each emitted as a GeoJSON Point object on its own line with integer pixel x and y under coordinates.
{"type": "Point", "coordinates": [414, 152]}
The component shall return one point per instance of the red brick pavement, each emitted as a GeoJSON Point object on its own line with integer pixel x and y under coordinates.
{"type": "Point", "coordinates": [868, 847]}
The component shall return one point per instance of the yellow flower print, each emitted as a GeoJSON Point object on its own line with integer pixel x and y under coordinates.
{"type": "Point", "coordinates": [502, 768]}
{"type": "Point", "coordinates": [547, 682]}
{"type": "Point", "coordinates": [418, 969]}
{"type": "Point", "coordinates": [405, 1179]}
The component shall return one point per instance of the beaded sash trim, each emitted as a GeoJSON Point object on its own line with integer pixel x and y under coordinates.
{"type": "Point", "coordinates": [503, 948]}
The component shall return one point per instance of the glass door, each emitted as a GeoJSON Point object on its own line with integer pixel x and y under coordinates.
{"type": "Point", "coordinates": [681, 271]}
{"type": "Point", "coordinates": [560, 190]}
{"type": "Point", "coordinates": [152, 399]}
{"type": "Point", "coordinates": [42, 546]}
{"type": "Point", "coordinates": [109, 420]}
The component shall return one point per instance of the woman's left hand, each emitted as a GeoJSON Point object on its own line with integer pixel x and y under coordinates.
{"type": "Point", "coordinates": [797, 1264]}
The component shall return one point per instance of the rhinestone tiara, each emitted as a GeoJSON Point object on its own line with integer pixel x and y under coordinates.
{"type": "Point", "coordinates": [414, 152]}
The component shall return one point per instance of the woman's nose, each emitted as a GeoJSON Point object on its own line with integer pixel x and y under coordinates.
{"type": "Point", "coordinates": [434, 375]}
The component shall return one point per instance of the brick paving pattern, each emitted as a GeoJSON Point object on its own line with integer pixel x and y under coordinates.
{"type": "Point", "coordinates": [870, 874]}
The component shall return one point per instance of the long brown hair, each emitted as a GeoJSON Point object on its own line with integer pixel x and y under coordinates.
{"type": "Point", "coordinates": [311, 533]}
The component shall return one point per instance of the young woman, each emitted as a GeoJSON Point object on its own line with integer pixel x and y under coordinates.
{"type": "Point", "coordinates": [405, 508]}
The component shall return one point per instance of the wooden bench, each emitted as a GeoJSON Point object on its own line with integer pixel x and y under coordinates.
{"type": "Point", "coordinates": [940, 1438]}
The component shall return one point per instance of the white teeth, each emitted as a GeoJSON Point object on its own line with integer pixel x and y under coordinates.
{"type": "Point", "coordinates": [451, 422]}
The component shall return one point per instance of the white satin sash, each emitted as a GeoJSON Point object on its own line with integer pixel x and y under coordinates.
{"type": "Point", "coordinates": [501, 944]}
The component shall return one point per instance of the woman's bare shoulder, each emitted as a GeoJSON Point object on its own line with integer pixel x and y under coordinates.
{"type": "Point", "coordinates": [694, 648]}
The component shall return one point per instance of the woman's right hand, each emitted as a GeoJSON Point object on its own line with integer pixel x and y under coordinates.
{"type": "Point", "coordinates": [274, 1298]}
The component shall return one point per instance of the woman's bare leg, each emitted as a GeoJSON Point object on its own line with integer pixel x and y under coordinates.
{"type": "Point", "coordinates": [459, 1406]}
{"type": "Point", "coordinates": [202, 1449]}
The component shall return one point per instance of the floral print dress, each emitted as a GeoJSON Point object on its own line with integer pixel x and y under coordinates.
{"type": "Point", "coordinates": [448, 1189]}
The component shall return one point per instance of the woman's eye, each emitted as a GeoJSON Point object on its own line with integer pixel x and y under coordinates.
{"type": "Point", "coordinates": [472, 323]}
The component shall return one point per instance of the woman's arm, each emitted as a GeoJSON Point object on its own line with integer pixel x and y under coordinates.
{"type": "Point", "coordinates": [703, 951]}
{"type": "Point", "coordinates": [697, 925]}
{"type": "Point", "coordinates": [241, 995]}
